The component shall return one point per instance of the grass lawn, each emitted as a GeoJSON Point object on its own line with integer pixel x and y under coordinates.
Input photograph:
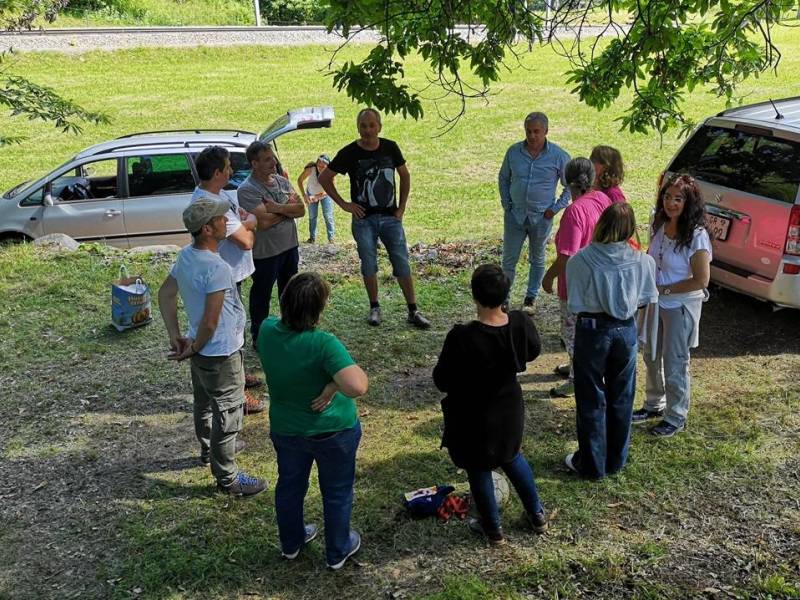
{"type": "Point", "coordinates": [454, 189]}
{"type": "Point", "coordinates": [103, 496]}
{"type": "Point", "coordinates": [159, 12]}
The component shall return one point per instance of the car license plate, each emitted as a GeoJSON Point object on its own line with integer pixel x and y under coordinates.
{"type": "Point", "coordinates": [718, 227]}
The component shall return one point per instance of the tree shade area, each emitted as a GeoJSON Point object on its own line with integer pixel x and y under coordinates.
{"type": "Point", "coordinates": [660, 50]}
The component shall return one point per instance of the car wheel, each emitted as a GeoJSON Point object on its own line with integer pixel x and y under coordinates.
{"type": "Point", "coordinates": [13, 238]}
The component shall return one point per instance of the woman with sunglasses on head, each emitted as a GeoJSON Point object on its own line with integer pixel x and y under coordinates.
{"type": "Point", "coordinates": [681, 248]}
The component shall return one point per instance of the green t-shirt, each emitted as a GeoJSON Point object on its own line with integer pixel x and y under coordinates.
{"type": "Point", "coordinates": [297, 367]}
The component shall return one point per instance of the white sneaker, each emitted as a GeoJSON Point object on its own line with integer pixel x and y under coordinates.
{"type": "Point", "coordinates": [355, 546]}
{"type": "Point", "coordinates": [568, 461]}
{"type": "Point", "coordinates": [310, 533]}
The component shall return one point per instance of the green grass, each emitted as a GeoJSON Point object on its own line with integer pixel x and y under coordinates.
{"type": "Point", "coordinates": [161, 12]}
{"type": "Point", "coordinates": [111, 411]}
{"type": "Point", "coordinates": [100, 419]}
{"type": "Point", "coordinates": [454, 189]}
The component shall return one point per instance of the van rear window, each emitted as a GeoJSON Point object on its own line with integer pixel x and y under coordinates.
{"type": "Point", "coordinates": [756, 164]}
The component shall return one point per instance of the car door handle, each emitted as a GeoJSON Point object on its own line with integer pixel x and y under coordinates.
{"type": "Point", "coordinates": [113, 212]}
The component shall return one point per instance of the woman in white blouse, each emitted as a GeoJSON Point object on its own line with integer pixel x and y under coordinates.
{"type": "Point", "coordinates": [681, 248]}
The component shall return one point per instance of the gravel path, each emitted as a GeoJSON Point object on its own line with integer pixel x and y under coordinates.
{"type": "Point", "coordinates": [74, 41]}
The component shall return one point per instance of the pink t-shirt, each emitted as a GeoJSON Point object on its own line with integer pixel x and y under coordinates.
{"type": "Point", "coordinates": [577, 226]}
{"type": "Point", "coordinates": [615, 193]}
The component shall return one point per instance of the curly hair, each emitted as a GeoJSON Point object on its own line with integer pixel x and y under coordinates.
{"type": "Point", "coordinates": [694, 209]}
{"type": "Point", "coordinates": [613, 168]}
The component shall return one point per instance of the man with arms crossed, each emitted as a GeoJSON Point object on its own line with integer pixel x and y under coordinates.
{"type": "Point", "coordinates": [214, 169]}
{"type": "Point", "coordinates": [213, 341]}
{"type": "Point", "coordinates": [371, 162]}
{"type": "Point", "coordinates": [276, 205]}
{"type": "Point", "coordinates": [528, 178]}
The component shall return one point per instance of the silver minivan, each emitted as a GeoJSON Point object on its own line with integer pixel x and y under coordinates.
{"type": "Point", "coordinates": [747, 163]}
{"type": "Point", "coordinates": [131, 191]}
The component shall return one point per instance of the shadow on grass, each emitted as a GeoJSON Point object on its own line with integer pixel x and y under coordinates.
{"type": "Point", "coordinates": [735, 325]}
{"type": "Point", "coordinates": [211, 545]}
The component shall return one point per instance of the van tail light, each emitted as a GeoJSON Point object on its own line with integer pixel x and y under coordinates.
{"type": "Point", "coordinates": [793, 233]}
{"type": "Point", "coordinates": [791, 269]}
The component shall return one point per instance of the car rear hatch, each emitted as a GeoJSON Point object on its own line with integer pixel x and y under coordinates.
{"type": "Point", "coordinates": [313, 117]}
{"type": "Point", "coordinates": [749, 177]}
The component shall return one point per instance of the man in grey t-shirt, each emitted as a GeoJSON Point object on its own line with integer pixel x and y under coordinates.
{"type": "Point", "coordinates": [275, 204]}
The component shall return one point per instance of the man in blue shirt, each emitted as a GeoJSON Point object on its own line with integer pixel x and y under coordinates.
{"type": "Point", "coordinates": [528, 178]}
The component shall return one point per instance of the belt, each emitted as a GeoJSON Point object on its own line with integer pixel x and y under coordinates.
{"type": "Point", "coordinates": [602, 317]}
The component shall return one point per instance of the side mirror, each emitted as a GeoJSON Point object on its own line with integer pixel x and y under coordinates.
{"type": "Point", "coordinates": [48, 199]}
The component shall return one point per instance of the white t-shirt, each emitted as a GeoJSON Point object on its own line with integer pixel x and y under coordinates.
{"type": "Point", "coordinates": [240, 261]}
{"type": "Point", "coordinates": [203, 272]}
{"type": "Point", "coordinates": [673, 266]}
{"type": "Point", "coordinates": [312, 183]}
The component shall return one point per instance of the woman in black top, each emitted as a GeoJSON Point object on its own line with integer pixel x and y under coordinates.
{"type": "Point", "coordinates": [483, 411]}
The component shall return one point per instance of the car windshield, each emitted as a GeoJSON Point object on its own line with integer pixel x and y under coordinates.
{"type": "Point", "coordinates": [16, 189]}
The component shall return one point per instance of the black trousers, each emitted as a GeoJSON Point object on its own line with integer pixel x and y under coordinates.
{"type": "Point", "coordinates": [280, 268]}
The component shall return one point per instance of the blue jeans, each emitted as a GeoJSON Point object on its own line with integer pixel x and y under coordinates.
{"type": "Point", "coordinates": [536, 229]}
{"type": "Point", "coordinates": [281, 268]}
{"type": "Point", "coordinates": [335, 456]}
{"type": "Point", "coordinates": [605, 385]}
{"type": "Point", "coordinates": [520, 474]}
{"type": "Point", "coordinates": [389, 229]}
{"type": "Point", "coordinates": [327, 214]}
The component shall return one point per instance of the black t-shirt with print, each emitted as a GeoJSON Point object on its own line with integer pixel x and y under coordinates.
{"type": "Point", "coordinates": [371, 172]}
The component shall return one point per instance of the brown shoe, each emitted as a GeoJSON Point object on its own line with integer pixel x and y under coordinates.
{"type": "Point", "coordinates": [252, 404]}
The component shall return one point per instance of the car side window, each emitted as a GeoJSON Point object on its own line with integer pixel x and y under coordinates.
{"type": "Point", "coordinates": [241, 169]}
{"type": "Point", "coordinates": [92, 180]}
{"type": "Point", "coordinates": [35, 198]}
{"type": "Point", "coordinates": [159, 174]}
{"type": "Point", "coordinates": [744, 161]}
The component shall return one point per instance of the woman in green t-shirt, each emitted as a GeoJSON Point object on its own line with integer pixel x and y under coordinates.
{"type": "Point", "coordinates": [312, 381]}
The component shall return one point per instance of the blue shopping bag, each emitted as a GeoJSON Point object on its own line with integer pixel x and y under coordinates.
{"type": "Point", "coordinates": [130, 302]}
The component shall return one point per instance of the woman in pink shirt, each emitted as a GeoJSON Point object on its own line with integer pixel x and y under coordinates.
{"type": "Point", "coordinates": [574, 232]}
{"type": "Point", "coordinates": [609, 171]}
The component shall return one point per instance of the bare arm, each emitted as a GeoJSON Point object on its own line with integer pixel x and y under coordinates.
{"type": "Point", "coordinates": [168, 305]}
{"type": "Point", "coordinates": [301, 183]}
{"type": "Point", "coordinates": [292, 209]}
{"type": "Point", "coordinates": [352, 381]}
{"type": "Point", "coordinates": [243, 237]}
{"type": "Point", "coordinates": [326, 181]}
{"type": "Point", "coordinates": [557, 269]}
{"type": "Point", "coordinates": [264, 219]}
{"type": "Point", "coordinates": [700, 264]}
{"type": "Point", "coordinates": [405, 188]}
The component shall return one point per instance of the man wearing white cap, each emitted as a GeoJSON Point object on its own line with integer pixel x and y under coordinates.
{"type": "Point", "coordinates": [213, 341]}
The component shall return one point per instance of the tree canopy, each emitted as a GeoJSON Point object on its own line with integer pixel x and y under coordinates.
{"type": "Point", "coordinates": [24, 97]}
{"type": "Point", "coordinates": [660, 49]}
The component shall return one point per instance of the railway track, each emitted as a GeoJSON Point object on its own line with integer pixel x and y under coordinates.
{"type": "Point", "coordinates": [77, 40]}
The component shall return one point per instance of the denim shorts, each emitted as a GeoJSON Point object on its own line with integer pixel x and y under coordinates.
{"type": "Point", "coordinates": [389, 230]}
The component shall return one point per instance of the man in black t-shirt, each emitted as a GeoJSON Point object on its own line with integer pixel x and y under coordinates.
{"type": "Point", "coordinates": [371, 162]}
